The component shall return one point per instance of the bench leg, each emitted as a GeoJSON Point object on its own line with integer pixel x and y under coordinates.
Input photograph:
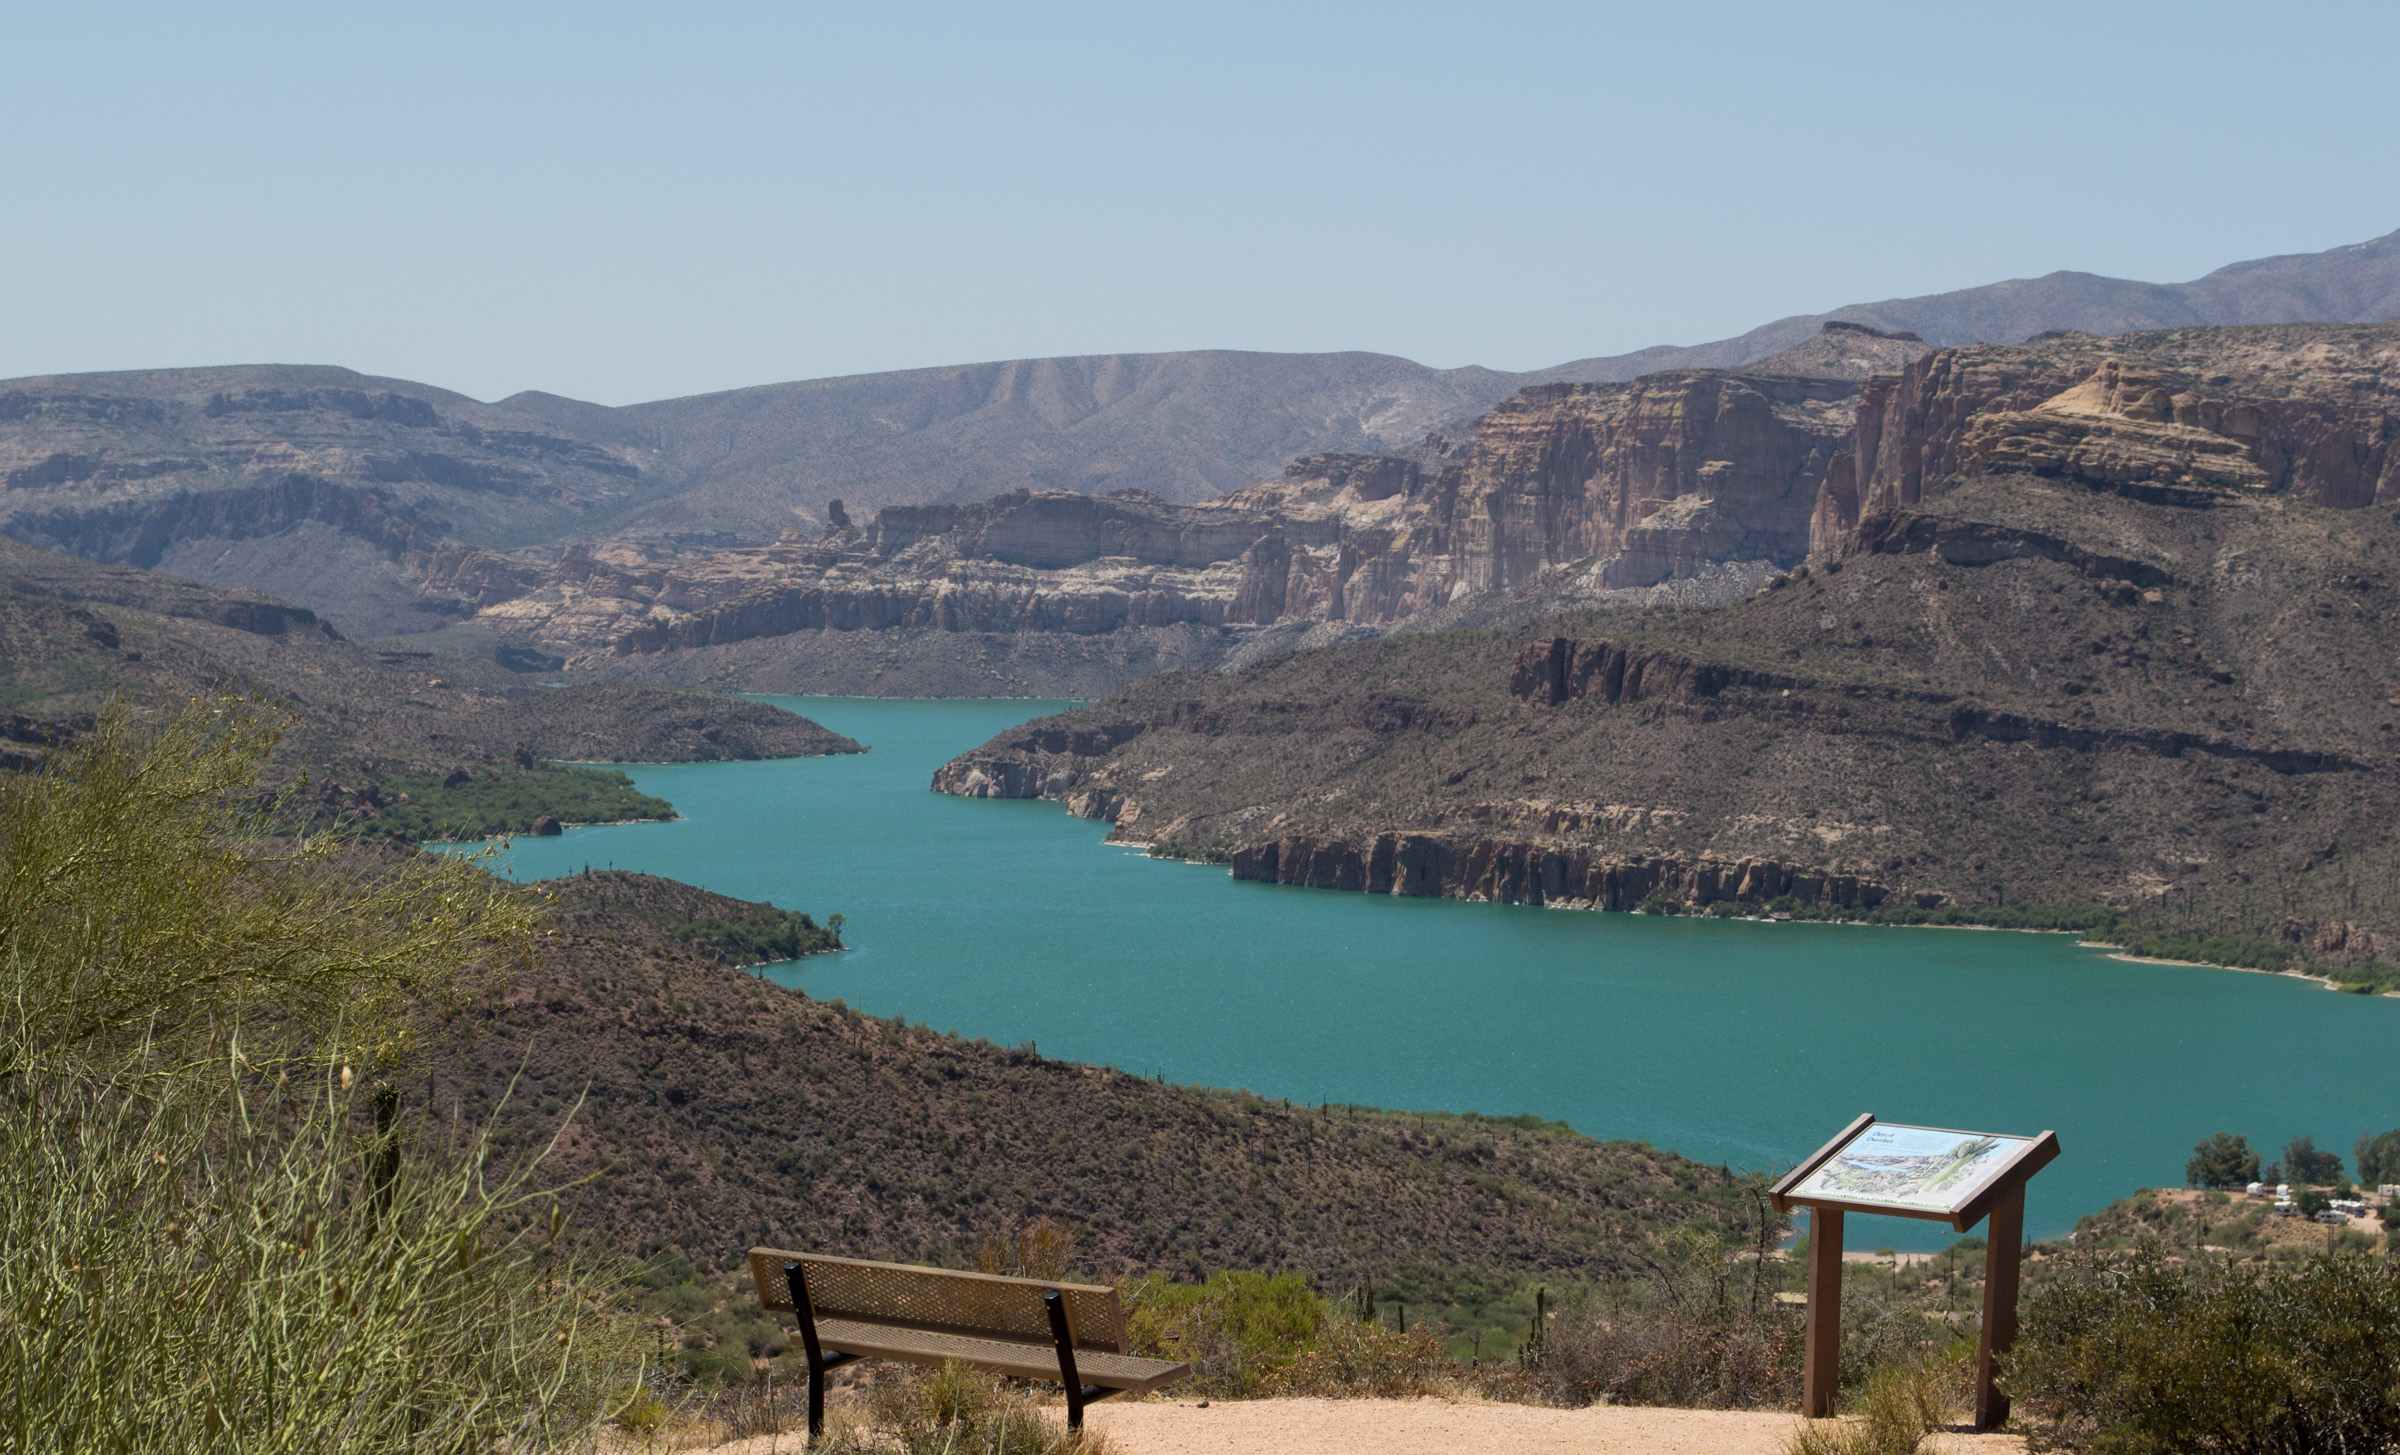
{"type": "Point", "coordinates": [818, 1360]}
{"type": "Point", "coordinates": [1079, 1394]}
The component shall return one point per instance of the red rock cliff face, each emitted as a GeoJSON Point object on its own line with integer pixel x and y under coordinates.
{"type": "Point", "coordinates": [2309, 409]}
{"type": "Point", "coordinates": [1665, 474]}
{"type": "Point", "coordinates": [1594, 488]}
{"type": "Point", "coordinates": [1638, 483]}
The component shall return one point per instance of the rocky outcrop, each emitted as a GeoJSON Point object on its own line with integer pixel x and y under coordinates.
{"type": "Point", "coordinates": [1979, 543]}
{"type": "Point", "coordinates": [1607, 673]}
{"type": "Point", "coordinates": [1564, 496]}
{"type": "Point", "coordinates": [2310, 410]}
{"type": "Point", "coordinates": [1634, 483]}
{"type": "Point", "coordinates": [1844, 350]}
{"type": "Point", "coordinates": [361, 496]}
{"type": "Point", "coordinates": [1516, 871]}
{"type": "Point", "coordinates": [1581, 492]}
{"type": "Point", "coordinates": [1043, 759]}
{"type": "Point", "coordinates": [1604, 674]}
{"type": "Point", "coordinates": [636, 723]}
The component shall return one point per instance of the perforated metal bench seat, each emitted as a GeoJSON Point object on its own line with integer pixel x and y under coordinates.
{"type": "Point", "coordinates": [849, 1308]}
{"type": "Point", "coordinates": [1128, 1372]}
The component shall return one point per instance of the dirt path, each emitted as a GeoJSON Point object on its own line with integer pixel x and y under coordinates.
{"type": "Point", "coordinates": [1435, 1426]}
{"type": "Point", "coordinates": [1456, 1427]}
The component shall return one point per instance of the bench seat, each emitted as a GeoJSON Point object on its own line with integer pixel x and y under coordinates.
{"type": "Point", "coordinates": [1128, 1372]}
{"type": "Point", "coordinates": [1029, 1328]}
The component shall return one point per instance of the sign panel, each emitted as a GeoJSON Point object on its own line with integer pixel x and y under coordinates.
{"type": "Point", "coordinates": [1920, 1169]}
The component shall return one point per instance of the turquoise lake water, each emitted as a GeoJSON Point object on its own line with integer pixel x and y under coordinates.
{"type": "Point", "coordinates": [1726, 1041]}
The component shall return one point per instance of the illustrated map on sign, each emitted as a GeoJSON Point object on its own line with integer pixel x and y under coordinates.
{"type": "Point", "coordinates": [1923, 1168]}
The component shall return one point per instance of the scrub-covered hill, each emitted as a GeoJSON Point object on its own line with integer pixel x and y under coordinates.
{"type": "Point", "coordinates": [724, 1110]}
{"type": "Point", "coordinates": [389, 738]}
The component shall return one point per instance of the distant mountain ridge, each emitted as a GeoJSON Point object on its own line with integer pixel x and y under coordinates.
{"type": "Point", "coordinates": [350, 493]}
{"type": "Point", "coordinates": [2357, 283]}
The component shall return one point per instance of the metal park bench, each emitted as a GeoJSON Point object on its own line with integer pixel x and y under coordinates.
{"type": "Point", "coordinates": [1030, 1328]}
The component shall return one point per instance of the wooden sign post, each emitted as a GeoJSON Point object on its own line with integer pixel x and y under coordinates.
{"type": "Point", "coordinates": [1938, 1173]}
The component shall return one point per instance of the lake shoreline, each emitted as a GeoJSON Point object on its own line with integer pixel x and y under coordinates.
{"type": "Point", "coordinates": [1708, 1041]}
{"type": "Point", "coordinates": [2326, 981]}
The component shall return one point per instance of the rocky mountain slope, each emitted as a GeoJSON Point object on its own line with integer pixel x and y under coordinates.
{"type": "Point", "coordinates": [334, 488]}
{"type": "Point", "coordinates": [75, 635]}
{"type": "Point", "coordinates": [1674, 476]}
{"type": "Point", "coordinates": [381, 504]}
{"type": "Point", "coordinates": [1693, 486]}
{"type": "Point", "coordinates": [2359, 283]}
{"type": "Point", "coordinates": [1184, 427]}
{"type": "Point", "coordinates": [2090, 622]}
{"type": "Point", "coordinates": [723, 1110]}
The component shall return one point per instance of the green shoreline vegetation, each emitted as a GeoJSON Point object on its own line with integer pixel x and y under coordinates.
{"type": "Point", "coordinates": [468, 806]}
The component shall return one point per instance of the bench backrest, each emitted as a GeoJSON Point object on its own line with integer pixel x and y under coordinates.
{"type": "Point", "coordinates": [901, 1295]}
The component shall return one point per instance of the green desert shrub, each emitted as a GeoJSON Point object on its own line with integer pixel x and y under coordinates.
{"type": "Point", "coordinates": [208, 1241]}
{"type": "Point", "coordinates": [1250, 1335]}
{"type": "Point", "coordinates": [953, 1410]}
{"type": "Point", "coordinates": [1701, 1329]}
{"type": "Point", "coordinates": [1899, 1407]}
{"type": "Point", "coordinates": [2256, 952]}
{"type": "Point", "coordinates": [149, 908]}
{"type": "Point", "coordinates": [1353, 1360]}
{"type": "Point", "coordinates": [1669, 1356]}
{"type": "Point", "coordinates": [207, 1263]}
{"type": "Point", "coordinates": [2135, 1354]}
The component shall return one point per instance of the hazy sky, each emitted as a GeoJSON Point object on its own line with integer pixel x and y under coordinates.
{"type": "Point", "coordinates": [629, 202]}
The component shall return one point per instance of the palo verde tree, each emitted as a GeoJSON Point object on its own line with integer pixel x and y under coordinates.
{"type": "Point", "coordinates": [207, 1241]}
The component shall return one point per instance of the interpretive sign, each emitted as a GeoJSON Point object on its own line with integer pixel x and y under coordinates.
{"type": "Point", "coordinates": [1913, 1172]}
{"type": "Point", "coordinates": [1913, 1169]}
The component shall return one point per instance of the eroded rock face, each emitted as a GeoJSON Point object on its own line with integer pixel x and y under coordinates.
{"type": "Point", "coordinates": [2308, 409]}
{"type": "Point", "coordinates": [2020, 691]}
{"type": "Point", "coordinates": [1519, 871]}
{"type": "Point", "coordinates": [1636, 483]}
{"type": "Point", "coordinates": [1580, 492]}
{"type": "Point", "coordinates": [148, 467]}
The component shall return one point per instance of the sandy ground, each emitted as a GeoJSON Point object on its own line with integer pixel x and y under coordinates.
{"type": "Point", "coordinates": [1454, 1427]}
{"type": "Point", "coordinates": [1435, 1427]}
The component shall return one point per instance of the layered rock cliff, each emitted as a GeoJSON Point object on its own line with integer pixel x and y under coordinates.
{"type": "Point", "coordinates": [1563, 496]}
{"type": "Point", "coordinates": [1620, 486]}
{"type": "Point", "coordinates": [2310, 410]}
{"type": "Point", "coordinates": [1699, 484]}
{"type": "Point", "coordinates": [2019, 690]}
{"type": "Point", "coordinates": [352, 492]}
{"type": "Point", "coordinates": [342, 491]}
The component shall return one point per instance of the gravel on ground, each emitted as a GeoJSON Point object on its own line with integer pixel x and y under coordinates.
{"type": "Point", "coordinates": [1432, 1426]}
{"type": "Point", "coordinates": [1458, 1427]}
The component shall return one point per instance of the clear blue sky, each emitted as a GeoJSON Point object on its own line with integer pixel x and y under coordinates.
{"type": "Point", "coordinates": [629, 202]}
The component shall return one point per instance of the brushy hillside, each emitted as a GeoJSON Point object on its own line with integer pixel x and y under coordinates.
{"type": "Point", "coordinates": [465, 740]}
{"type": "Point", "coordinates": [2022, 693]}
{"type": "Point", "coordinates": [626, 905]}
{"type": "Point", "coordinates": [724, 1110]}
